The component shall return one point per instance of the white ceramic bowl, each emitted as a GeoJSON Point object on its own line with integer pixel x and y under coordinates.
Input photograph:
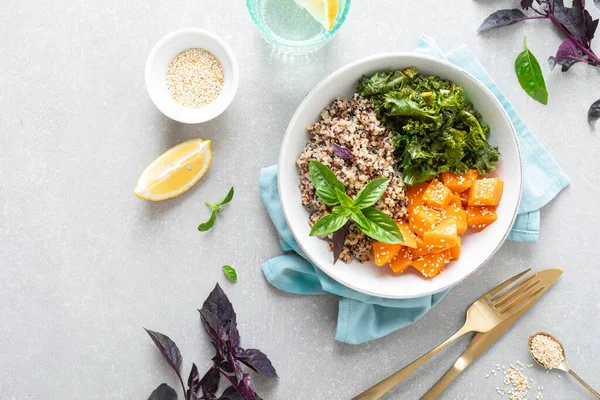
{"type": "Point", "coordinates": [158, 63]}
{"type": "Point", "coordinates": [477, 248]}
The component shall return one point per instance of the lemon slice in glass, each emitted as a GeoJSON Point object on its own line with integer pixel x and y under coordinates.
{"type": "Point", "coordinates": [324, 11]}
{"type": "Point", "coordinates": [174, 171]}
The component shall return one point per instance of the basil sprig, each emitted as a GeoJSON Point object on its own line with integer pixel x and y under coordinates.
{"type": "Point", "coordinates": [371, 221]}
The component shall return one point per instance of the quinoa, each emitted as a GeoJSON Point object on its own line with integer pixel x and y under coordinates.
{"type": "Point", "coordinates": [352, 124]}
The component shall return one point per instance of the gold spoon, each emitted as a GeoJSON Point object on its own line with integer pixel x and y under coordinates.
{"type": "Point", "coordinates": [563, 366]}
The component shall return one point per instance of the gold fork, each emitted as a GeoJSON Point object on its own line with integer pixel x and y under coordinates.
{"type": "Point", "coordinates": [494, 307]}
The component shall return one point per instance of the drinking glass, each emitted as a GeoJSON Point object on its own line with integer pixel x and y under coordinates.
{"type": "Point", "coordinates": [289, 28]}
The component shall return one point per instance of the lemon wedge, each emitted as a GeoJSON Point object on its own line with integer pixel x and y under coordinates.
{"type": "Point", "coordinates": [174, 171]}
{"type": "Point", "coordinates": [324, 11]}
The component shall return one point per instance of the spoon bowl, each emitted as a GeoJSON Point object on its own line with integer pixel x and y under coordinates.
{"type": "Point", "coordinates": [563, 366]}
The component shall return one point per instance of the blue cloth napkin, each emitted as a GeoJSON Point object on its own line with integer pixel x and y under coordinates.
{"type": "Point", "coordinates": [362, 317]}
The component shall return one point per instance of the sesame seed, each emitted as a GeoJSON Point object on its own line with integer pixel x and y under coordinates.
{"type": "Point", "coordinates": [547, 351]}
{"type": "Point", "coordinates": [194, 78]}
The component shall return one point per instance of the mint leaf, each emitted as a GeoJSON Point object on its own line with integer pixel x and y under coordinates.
{"type": "Point", "coordinates": [230, 273]}
{"type": "Point", "coordinates": [203, 227]}
{"type": "Point", "coordinates": [227, 198]}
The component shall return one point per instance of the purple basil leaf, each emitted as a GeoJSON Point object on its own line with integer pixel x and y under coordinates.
{"type": "Point", "coordinates": [572, 19]}
{"type": "Point", "coordinates": [565, 63]}
{"type": "Point", "coordinates": [258, 361]}
{"type": "Point", "coordinates": [234, 336]}
{"type": "Point", "coordinates": [210, 382]}
{"type": "Point", "coordinates": [589, 26]}
{"type": "Point", "coordinates": [193, 381]}
{"type": "Point", "coordinates": [163, 392]}
{"type": "Point", "coordinates": [565, 54]}
{"type": "Point", "coordinates": [230, 394]}
{"type": "Point", "coordinates": [339, 238]}
{"type": "Point", "coordinates": [218, 304]}
{"type": "Point", "coordinates": [525, 4]}
{"type": "Point", "coordinates": [594, 112]}
{"type": "Point", "coordinates": [246, 388]}
{"type": "Point", "coordinates": [212, 326]}
{"type": "Point", "coordinates": [502, 18]}
{"type": "Point", "coordinates": [168, 349]}
{"type": "Point", "coordinates": [238, 370]}
{"type": "Point", "coordinates": [342, 152]}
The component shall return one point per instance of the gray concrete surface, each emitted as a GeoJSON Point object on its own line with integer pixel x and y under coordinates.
{"type": "Point", "coordinates": [84, 264]}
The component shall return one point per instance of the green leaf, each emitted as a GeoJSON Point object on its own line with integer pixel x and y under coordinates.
{"type": "Point", "coordinates": [325, 182]}
{"type": "Point", "coordinates": [227, 198]}
{"type": "Point", "coordinates": [530, 75]}
{"type": "Point", "coordinates": [331, 222]}
{"type": "Point", "coordinates": [377, 225]}
{"type": "Point", "coordinates": [203, 227]}
{"type": "Point", "coordinates": [230, 273]}
{"type": "Point", "coordinates": [345, 200]}
{"type": "Point", "coordinates": [215, 207]}
{"type": "Point", "coordinates": [371, 193]}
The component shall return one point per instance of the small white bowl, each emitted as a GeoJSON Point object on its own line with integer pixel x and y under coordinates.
{"type": "Point", "coordinates": [168, 48]}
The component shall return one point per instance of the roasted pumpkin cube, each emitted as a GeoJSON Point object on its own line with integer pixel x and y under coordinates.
{"type": "Point", "coordinates": [402, 261]}
{"type": "Point", "coordinates": [414, 196]}
{"type": "Point", "coordinates": [459, 183]}
{"type": "Point", "coordinates": [384, 252]}
{"type": "Point", "coordinates": [480, 217]}
{"type": "Point", "coordinates": [486, 192]}
{"type": "Point", "coordinates": [410, 240]}
{"type": "Point", "coordinates": [461, 217]}
{"type": "Point", "coordinates": [456, 201]}
{"type": "Point", "coordinates": [464, 198]}
{"type": "Point", "coordinates": [443, 235]}
{"type": "Point", "coordinates": [423, 218]}
{"type": "Point", "coordinates": [437, 195]}
{"type": "Point", "coordinates": [455, 251]}
{"type": "Point", "coordinates": [423, 249]}
{"type": "Point", "coordinates": [431, 265]}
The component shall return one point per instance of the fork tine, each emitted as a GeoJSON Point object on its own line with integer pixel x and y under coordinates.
{"type": "Point", "coordinates": [504, 285]}
{"type": "Point", "coordinates": [514, 291]}
{"type": "Point", "coordinates": [523, 301]}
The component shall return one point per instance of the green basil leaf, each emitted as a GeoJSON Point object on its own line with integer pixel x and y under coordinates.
{"type": "Point", "coordinates": [371, 193]}
{"type": "Point", "coordinates": [208, 224]}
{"type": "Point", "coordinates": [230, 273]}
{"type": "Point", "coordinates": [377, 225]}
{"type": "Point", "coordinates": [530, 75]}
{"type": "Point", "coordinates": [345, 200]}
{"type": "Point", "coordinates": [325, 182]}
{"type": "Point", "coordinates": [330, 222]}
{"type": "Point", "coordinates": [227, 198]}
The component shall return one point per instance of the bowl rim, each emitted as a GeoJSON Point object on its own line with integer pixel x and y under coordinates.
{"type": "Point", "coordinates": [199, 116]}
{"type": "Point", "coordinates": [351, 65]}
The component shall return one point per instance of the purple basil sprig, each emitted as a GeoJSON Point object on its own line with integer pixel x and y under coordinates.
{"type": "Point", "coordinates": [220, 323]}
{"type": "Point", "coordinates": [574, 22]}
{"type": "Point", "coordinates": [342, 152]}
